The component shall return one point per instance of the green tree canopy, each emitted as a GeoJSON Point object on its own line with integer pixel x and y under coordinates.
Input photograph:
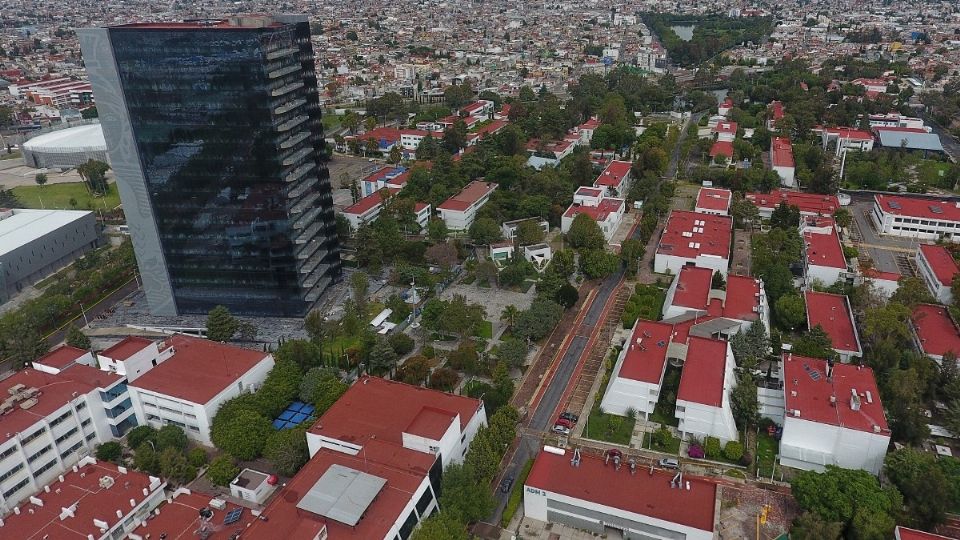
{"type": "Point", "coordinates": [222, 470]}
{"type": "Point", "coordinates": [584, 233]}
{"type": "Point", "coordinates": [221, 324]}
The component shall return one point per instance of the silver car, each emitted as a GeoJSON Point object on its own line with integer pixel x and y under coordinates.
{"type": "Point", "coordinates": [562, 430]}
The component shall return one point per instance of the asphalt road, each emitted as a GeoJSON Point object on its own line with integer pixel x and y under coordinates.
{"type": "Point", "coordinates": [541, 418]}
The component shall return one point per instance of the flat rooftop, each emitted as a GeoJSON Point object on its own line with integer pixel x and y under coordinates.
{"type": "Point", "coordinates": [646, 354]}
{"type": "Point", "coordinates": [832, 313]}
{"type": "Point", "coordinates": [639, 493]}
{"type": "Point", "coordinates": [690, 234]}
{"type": "Point", "coordinates": [936, 330]}
{"type": "Point", "coordinates": [701, 380]}
{"type": "Point", "coordinates": [24, 226]}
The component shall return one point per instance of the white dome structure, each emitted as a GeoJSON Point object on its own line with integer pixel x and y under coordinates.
{"type": "Point", "coordinates": [66, 148]}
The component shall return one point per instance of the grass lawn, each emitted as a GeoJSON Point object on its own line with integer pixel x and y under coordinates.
{"type": "Point", "coordinates": [608, 427]}
{"type": "Point", "coordinates": [767, 448]}
{"type": "Point", "coordinates": [485, 330]}
{"type": "Point", "coordinates": [12, 155]}
{"type": "Point", "coordinates": [330, 120]}
{"type": "Point", "coordinates": [58, 196]}
{"type": "Point", "coordinates": [663, 411]}
{"type": "Point", "coordinates": [645, 303]}
{"type": "Point", "coordinates": [672, 446]}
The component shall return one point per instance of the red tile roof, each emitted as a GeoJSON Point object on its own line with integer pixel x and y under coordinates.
{"type": "Point", "coordinates": [199, 369]}
{"type": "Point", "coordinates": [701, 380]}
{"type": "Point", "coordinates": [776, 110]}
{"type": "Point", "coordinates": [918, 207]}
{"type": "Point", "coordinates": [180, 519]}
{"type": "Point", "coordinates": [824, 249]}
{"type": "Point", "coordinates": [431, 423]}
{"type": "Point", "coordinates": [936, 330]}
{"type": "Point", "coordinates": [903, 533]}
{"type": "Point", "coordinates": [592, 123]}
{"type": "Point", "coordinates": [808, 203]}
{"type": "Point", "coordinates": [599, 213]}
{"type": "Point", "coordinates": [712, 237]}
{"type": "Point", "coordinates": [589, 191]}
{"type": "Point", "coordinates": [873, 273]}
{"type": "Point", "coordinates": [741, 298]}
{"type": "Point", "coordinates": [403, 469]}
{"type": "Point", "coordinates": [646, 355]}
{"type": "Point", "coordinates": [693, 287]}
{"type": "Point", "coordinates": [614, 174]}
{"type": "Point", "coordinates": [813, 396]}
{"type": "Point", "coordinates": [714, 199]}
{"type": "Point", "coordinates": [941, 262]}
{"type": "Point", "coordinates": [722, 148]}
{"type": "Point", "coordinates": [374, 408]}
{"type": "Point", "coordinates": [832, 313]}
{"type": "Point", "coordinates": [89, 502]}
{"type": "Point", "coordinates": [725, 127]}
{"type": "Point", "coordinates": [369, 202]}
{"type": "Point", "coordinates": [470, 194]}
{"type": "Point", "coordinates": [781, 152]}
{"type": "Point", "coordinates": [127, 348]}
{"type": "Point", "coordinates": [848, 133]}
{"type": "Point", "coordinates": [640, 493]}
{"type": "Point", "coordinates": [61, 357]}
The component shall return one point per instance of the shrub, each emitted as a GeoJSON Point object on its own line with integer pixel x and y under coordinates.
{"type": "Point", "coordinates": [222, 470]}
{"type": "Point", "coordinates": [171, 436]}
{"type": "Point", "coordinates": [733, 451]}
{"type": "Point", "coordinates": [428, 352]}
{"type": "Point", "coordinates": [109, 451]}
{"type": "Point", "coordinates": [146, 459]}
{"type": "Point", "coordinates": [242, 434]}
{"type": "Point", "coordinates": [695, 452]}
{"type": "Point", "coordinates": [711, 447]}
{"type": "Point", "coordinates": [197, 457]}
{"type": "Point", "coordinates": [661, 437]}
{"type": "Point", "coordinates": [287, 450]}
{"type": "Point", "coordinates": [402, 344]}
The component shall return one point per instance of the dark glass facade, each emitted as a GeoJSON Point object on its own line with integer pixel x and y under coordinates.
{"type": "Point", "coordinates": [226, 124]}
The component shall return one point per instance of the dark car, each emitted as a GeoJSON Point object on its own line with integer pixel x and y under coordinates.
{"type": "Point", "coordinates": [570, 416]}
{"type": "Point", "coordinates": [506, 484]}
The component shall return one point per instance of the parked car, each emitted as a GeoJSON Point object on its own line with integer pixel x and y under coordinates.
{"type": "Point", "coordinates": [570, 416]}
{"type": "Point", "coordinates": [562, 430]}
{"type": "Point", "coordinates": [668, 463]}
{"type": "Point", "coordinates": [506, 484]}
{"type": "Point", "coordinates": [564, 422]}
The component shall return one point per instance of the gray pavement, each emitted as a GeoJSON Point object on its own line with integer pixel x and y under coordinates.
{"type": "Point", "coordinates": [873, 244]}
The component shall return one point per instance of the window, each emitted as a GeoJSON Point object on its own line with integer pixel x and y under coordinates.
{"type": "Point", "coordinates": [45, 468]}
{"type": "Point", "coordinates": [16, 488]}
{"type": "Point", "coordinates": [31, 437]}
{"type": "Point", "coordinates": [8, 452]}
{"type": "Point", "coordinates": [16, 468]}
{"type": "Point", "coordinates": [59, 420]}
{"type": "Point", "coordinates": [85, 423]}
{"type": "Point", "coordinates": [66, 435]}
{"type": "Point", "coordinates": [82, 405]}
{"type": "Point", "coordinates": [37, 455]}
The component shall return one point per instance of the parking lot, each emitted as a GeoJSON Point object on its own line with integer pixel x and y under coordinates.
{"type": "Point", "coordinates": [343, 169]}
{"type": "Point", "coordinates": [888, 253]}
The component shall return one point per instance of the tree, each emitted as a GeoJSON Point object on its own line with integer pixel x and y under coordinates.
{"type": "Point", "coordinates": [197, 457]}
{"type": "Point", "coordinates": [109, 451]}
{"type": "Point", "coordinates": [584, 233]}
{"type": "Point", "coordinates": [174, 464]}
{"type": "Point", "coordinates": [94, 173]}
{"type": "Point", "coordinates": [171, 436]}
{"type": "Point", "coordinates": [437, 230]}
{"type": "Point", "coordinates": [76, 338]}
{"type": "Point", "coordinates": [512, 351]}
{"type": "Point", "coordinates": [743, 400]}
{"type": "Point", "coordinates": [485, 231]}
{"type": "Point", "coordinates": [631, 251]}
{"type": "Point", "coordinates": [222, 470]}
{"type": "Point", "coordinates": [911, 291]}
{"type": "Point", "coordinates": [815, 343]}
{"type": "Point", "coordinates": [810, 526]}
{"type": "Point", "coordinates": [440, 526]}
{"type": "Point", "coordinates": [509, 315]}
{"type": "Point", "coordinates": [312, 379]}
{"type": "Point", "coordinates": [395, 155]}
{"type": "Point", "coordinates": [785, 217]}
{"type": "Point", "coordinates": [924, 486]}
{"type": "Point", "coordinates": [401, 343]}
{"type": "Point", "coordinates": [843, 217]}
{"type": "Point", "coordinates": [326, 393]}
{"type": "Point", "coordinates": [370, 123]}
{"type": "Point", "coordinates": [139, 435]}
{"type": "Point", "coordinates": [146, 459]}
{"type": "Point", "coordinates": [743, 212]}
{"type": "Point", "coordinates": [539, 320]}
{"type": "Point", "coordinates": [529, 232]}
{"type": "Point", "coordinates": [852, 497]}
{"type": "Point", "coordinates": [382, 357]}
{"type": "Point", "coordinates": [790, 310]}
{"type": "Point", "coordinates": [221, 324]}
{"type": "Point", "coordinates": [750, 347]}
{"type": "Point", "coordinates": [414, 370]}
{"type": "Point", "coordinates": [443, 379]}
{"type": "Point", "coordinates": [40, 179]}
{"type": "Point", "coordinates": [360, 287]}
{"type": "Point", "coordinates": [287, 450]}
{"type": "Point", "coordinates": [351, 121]}
{"type": "Point", "coordinates": [305, 354]}
{"type": "Point", "coordinates": [241, 434]}
{"type": "Point", "coordinates": [567, 296]}
{"type": "Point", "coordinates": [598, 263]}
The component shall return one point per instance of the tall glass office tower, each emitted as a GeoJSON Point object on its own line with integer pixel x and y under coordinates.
{"type": "Point", "coordinates": [213, 131]}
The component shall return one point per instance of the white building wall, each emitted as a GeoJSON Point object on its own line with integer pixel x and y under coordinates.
{"type": "Point", "coordinates": [535, 506]}
{"type": "Point", "coordinates": [941, 292]}
{"type": "Point", "coordinates": [705, 420]}
{"type": "Point", "coordinates": [924, 229]}
{"type": "Point", "coordinates": [663, 262]}
{"type": "Point", "coordinates": [884, 287]}
{"type": "Point", "coordinates": [812, 446]}
{"type": "Point", "coordinates": [137, 364]}
{"type": "Point", "coordinates": [826, 275]}
{"type": "Point", "coordinates": [623, 393]}
{"type": "Point", "coordinates": [411, 506]}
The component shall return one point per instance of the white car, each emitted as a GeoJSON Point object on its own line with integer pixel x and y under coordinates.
{"type": "Point", "coordinates": [562, 430]}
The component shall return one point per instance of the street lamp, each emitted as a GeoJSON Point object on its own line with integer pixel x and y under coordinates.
{"type": "Point", "coordinates": [82, 311]}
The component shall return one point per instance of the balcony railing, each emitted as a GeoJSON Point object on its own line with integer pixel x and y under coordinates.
{"type": "Point", "coordinates": [293, 122]}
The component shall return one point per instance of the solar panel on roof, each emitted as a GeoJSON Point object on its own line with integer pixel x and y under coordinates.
{"type": "Point", "coordinates": [286, 415]}
{"type": "Point", "coordinates": [308, 409]}
{"type": "Point", "coordinates": [232, 516]}
{"type": "Point", "coordinates": [814, 374]}
{"type": "Point", "coordinates": [278, 424]}
{"type": "Point", "coordinates": [894, 205]}
{"type": "Point", "coordinates": [936, 209]}
{"type": "Point", "coordinates": [298, 418]}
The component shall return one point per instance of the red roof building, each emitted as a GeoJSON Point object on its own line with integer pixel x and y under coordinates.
{"type": "Point", "coordinates": [903, 533]}
{"type": "Point", "coordinates": [703, 398]}
{"type": "Point", "coordinates": [832, 313]}
{"type": "Point", "coordinates": [781, 160]}
{"type": "Point", "coordinates": [179, 519]}
{"type": "Point", "coordinates": [638, 372]}
{"type": "Point", "coordinates": [615, 178]}
{"type": "Point", "coordinates": [833, 416]}
{"type": "Point", "coordinates": [935, 333]}
{"type": "Point", "coordinates": [694, 238]}
{"type": "Point", "coordinates": [916, 217]}
{"type": "Point", "coordinates": [722, 148]}
{"type": "Point", "coordinates": [616, 494]}
{"type": "Point", "coordinates": [93, 500]}
{"type": "Point", "coordinates": [713, 201]}
{"type": "Point", "coordinates": [460, 210]}
{"type": "Point", "coordinates": [823, 257]}
{"type": "Point", "coordinates": [809, 204]}
{"type": "Point", "coordinates": [936, 267]}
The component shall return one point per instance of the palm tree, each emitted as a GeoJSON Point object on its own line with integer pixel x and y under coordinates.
{"type": "Point", "coordinates": [509, 315]}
